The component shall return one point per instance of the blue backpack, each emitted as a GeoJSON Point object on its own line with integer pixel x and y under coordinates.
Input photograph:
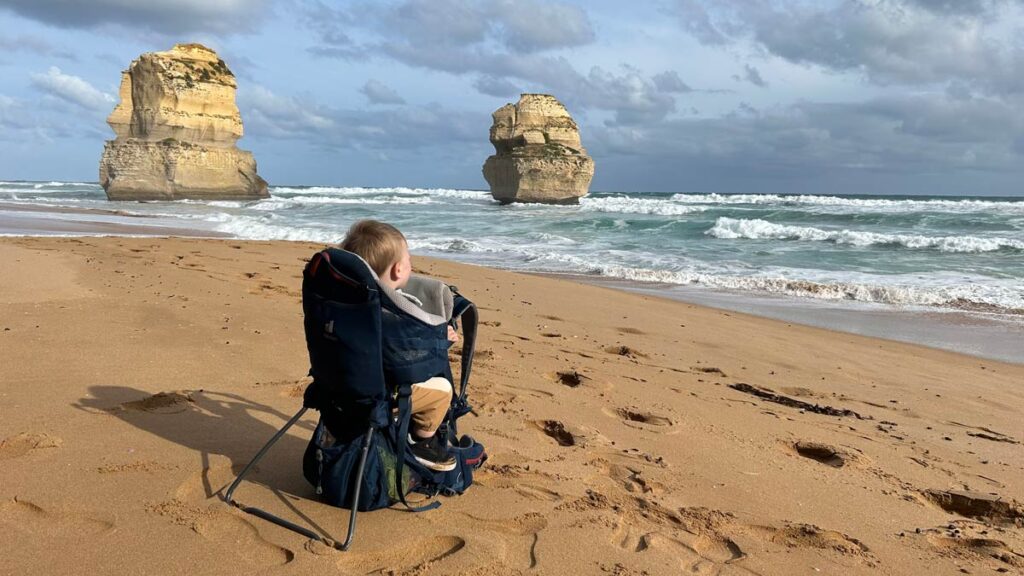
{"type": "Point", "coordinates": [367, 346]}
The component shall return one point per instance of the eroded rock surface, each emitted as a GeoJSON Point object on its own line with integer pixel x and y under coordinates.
{"type": "Point", "coordinates": [538, 155]}
{"type": "Point", "coordinates": [176, 126]}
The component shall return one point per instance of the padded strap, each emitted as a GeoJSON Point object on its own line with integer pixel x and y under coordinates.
{"type": "Point", "coordinates": [466, 312]}
{"type": "Point", "coordinates": [404, 415]}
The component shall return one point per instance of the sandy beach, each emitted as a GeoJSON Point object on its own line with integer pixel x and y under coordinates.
{"type": "Point", "coordinates": [628, 434]}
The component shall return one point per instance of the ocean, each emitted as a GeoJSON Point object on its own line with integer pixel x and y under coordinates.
{"type": "Point", "coordinates": [876, 253]}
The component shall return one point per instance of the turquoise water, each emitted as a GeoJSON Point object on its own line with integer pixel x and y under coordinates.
{"type": "Point", "coordinates": [905, 251]}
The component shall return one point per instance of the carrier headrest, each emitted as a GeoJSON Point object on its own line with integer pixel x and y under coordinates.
{"type": "Point", "coordinates": [348, 268]}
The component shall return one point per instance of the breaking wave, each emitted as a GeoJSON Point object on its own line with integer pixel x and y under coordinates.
{"type": "Point", "coordinates": [732, 228]}
{"type": "Point", "coordinates": [627, 205]}
{"type": "Point", "coordinates": [909, 205]}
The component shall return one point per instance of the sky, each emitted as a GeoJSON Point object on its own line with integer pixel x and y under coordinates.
{"type": "Point", "coordinates": [745, 96]}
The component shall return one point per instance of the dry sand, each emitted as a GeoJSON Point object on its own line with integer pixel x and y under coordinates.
{"type": "Point", "coordinates": [628, 434]}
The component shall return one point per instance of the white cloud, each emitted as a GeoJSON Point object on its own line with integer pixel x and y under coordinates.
{"type": "Point", "coordinates": [72, 89]}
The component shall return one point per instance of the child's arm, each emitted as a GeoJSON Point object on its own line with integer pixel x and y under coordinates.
{"type": "Point", "coordinates": [453, 336]}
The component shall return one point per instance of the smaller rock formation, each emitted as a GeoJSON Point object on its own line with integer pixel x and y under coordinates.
{"type": "Point", "coordinates": [538, 156]}
{"type": "Point", "coordinates": [176, 128]}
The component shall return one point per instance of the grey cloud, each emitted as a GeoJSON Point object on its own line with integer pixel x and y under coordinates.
{"type": "Point", "coordinates": [73, 89]}
{"type": "Point", "coordinates": [962, 7]}
{"type": "Point", "coordinates": [268, 115]}
{"type": "Point", "coordinates": [34, 45]}
{"type": "Point", "coordinates": [532, 25]}
{"type": "Point", "coordinates": [670, 82]}
{"type": "Point", "coordinates": [889, 41]}
{"type": "Point", "coordinates": [379, 93]}
{"type": "Point", "coordinates": [909, 136]}
{"type": "Point", "coordinates": [281, 116]}
{"type": "Point", "coordinates": [495, 41]}
{"type": "Point", "coordinates": [519, 25]}
{"type": "Point", "coordinates": [752, 75]}
{"type": "Point", "coordinates": [495, 86]}
{"type": "Point", "coordinates": [171, 17]}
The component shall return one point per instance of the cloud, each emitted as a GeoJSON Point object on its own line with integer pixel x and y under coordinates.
{"type": "Point", "coordinates": [506, 45]}
{"type": "Point", "coordinates": [670, 82]}
{"type": "Point", "coordinates": [380, 93]}
{"type": "Point", "coordinates": [170, 17]}
{"type": "Point", "coordinates": [532, 25]}
{"type": "Point", "coordinates": [495, 86]}
{"type": "Point", "coordinates": [909, 42]}
{"type": "Point", "coordinates": [72, 89]}
{"type": "Point", "coordinates": [33, 45]}
{"type": "Point", "coordinates": [269, 115]}
{"type": "Point", "coordinates": [752, 75]}
{"type": "Point", "coordinates": [911, 136]}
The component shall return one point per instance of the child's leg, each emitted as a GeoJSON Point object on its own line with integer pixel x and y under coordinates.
{"type": "Point", "coordinates": [430, 402]}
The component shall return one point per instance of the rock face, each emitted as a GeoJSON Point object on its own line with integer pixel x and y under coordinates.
{"type": "Point", "coordinates": [176, 128]}
{"type": "Point", "coordinates": [538, 156]}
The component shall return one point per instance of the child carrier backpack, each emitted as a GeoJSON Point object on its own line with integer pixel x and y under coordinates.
{"type": "Point", "coordinates": [368, 344]}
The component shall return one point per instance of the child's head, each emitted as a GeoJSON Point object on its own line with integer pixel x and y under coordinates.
{"type": "Point", "coordinates": [384, 248]}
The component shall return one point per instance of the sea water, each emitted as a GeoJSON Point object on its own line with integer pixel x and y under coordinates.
{"type": "Point", "coordinates": [944, 253]}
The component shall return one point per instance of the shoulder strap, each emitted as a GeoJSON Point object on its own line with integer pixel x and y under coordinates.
{"type": "Point", "coordinates": [465, 311]}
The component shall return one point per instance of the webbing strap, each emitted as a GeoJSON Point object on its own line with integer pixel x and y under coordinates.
{"type": "Point", "coordinates": [465, 311]}
{"type": "Point", "coordinates": [404, 415]}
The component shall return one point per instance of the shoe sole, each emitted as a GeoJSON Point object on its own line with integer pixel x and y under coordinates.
{"type": "Point", "coordinates": [436, 466]}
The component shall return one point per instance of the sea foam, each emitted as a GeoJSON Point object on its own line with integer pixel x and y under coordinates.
{"type": "Point", "coordinates": [756, 229]}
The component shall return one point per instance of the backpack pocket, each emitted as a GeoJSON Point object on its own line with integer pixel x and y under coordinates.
{"type": "Point", "coordinates": [331, 467]}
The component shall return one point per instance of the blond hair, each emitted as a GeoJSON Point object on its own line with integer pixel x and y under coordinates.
{"type": "Point", "coordinates": [378, 243]}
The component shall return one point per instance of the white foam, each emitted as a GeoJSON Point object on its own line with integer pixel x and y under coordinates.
{"type": "Point", "coordinates": [903, 205]}
{"type": "Point", "coordinates": [757, 229]}
{"type": "Point", "coordinates": [389, 191]}
{"type": "Point", "coordinates": [255, 229]}
{"type": "Point", "coordinates": [628, 205]}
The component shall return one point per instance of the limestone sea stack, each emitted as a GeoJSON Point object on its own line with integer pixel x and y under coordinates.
{"type": "Point", "coordinates": [538, 156]}
{"type": "Point", "coordinates": [176, 126]}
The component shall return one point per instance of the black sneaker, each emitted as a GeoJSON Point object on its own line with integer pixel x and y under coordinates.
{"type": "Point", "coordinates": [432, 454]}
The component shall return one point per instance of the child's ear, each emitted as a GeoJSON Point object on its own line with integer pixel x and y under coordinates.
{"type": "Point", "coordinates": [395, 272]}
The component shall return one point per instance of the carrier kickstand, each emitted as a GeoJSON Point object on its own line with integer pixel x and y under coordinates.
{"type": "Point", "coordinates": [291, 525]}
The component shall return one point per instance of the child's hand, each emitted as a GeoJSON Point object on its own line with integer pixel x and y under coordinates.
{"type": "Point", "coordinates": [453, 336]}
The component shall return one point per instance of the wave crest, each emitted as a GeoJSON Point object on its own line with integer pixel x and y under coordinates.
{"type": "Point", "coordinates": [757, 229]}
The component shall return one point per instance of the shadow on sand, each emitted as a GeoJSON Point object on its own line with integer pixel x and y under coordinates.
{"type": "Point", "coordinates": [218, 423]}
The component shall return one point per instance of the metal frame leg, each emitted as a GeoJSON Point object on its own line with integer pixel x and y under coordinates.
{"type": "Point", "coordinates": [368, 439]}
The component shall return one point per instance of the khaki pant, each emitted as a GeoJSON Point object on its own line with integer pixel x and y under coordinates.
{"type": "Point", "coordinates": [430, 402]}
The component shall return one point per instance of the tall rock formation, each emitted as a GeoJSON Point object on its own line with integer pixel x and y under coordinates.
{"type": "Point", "coordinates": [538, 156]}
{"type": "Point", "coordinates": [176, 128]}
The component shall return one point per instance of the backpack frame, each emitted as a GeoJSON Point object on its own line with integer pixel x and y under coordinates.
{"type": "Point", "coordinates": [356, 331]}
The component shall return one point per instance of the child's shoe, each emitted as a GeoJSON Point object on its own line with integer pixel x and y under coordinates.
{"type": "Point", "coordinates": [432, 453]}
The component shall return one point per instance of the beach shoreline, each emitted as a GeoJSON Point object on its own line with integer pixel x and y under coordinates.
{"type": "Point", "coordinates": [990, 336]}
{"type": "Point", "coordinates": [177, 358]}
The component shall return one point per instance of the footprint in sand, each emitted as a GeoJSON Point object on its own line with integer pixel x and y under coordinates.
{"type": "Point", "coordinates": [556, 430]}
{"type": "Point", "coordinates": [824, 453]}
{"type": "Point", "coordinates": [519, 536]}
{"type": "Point", "coordinates": [27, 517]}
{"type": "Point", "coordinates": [22, 443]}
{"type": "Point", "coordinates": [639, 418]}
{"type": "Point", "coordinates": [229, 531]}
{"type": "Point", "coordinates": [971, 542]}
{"type": "Point", "coordinates": [971, 504]}
{"type": "Point", "coordinates": [570, 378]}
{"type": "Point", "coordinates": [633, 479]}
{"type": "Point", "coordinates": [160, 403]}
{"type": "Point", "coordinates": [402, 557]}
